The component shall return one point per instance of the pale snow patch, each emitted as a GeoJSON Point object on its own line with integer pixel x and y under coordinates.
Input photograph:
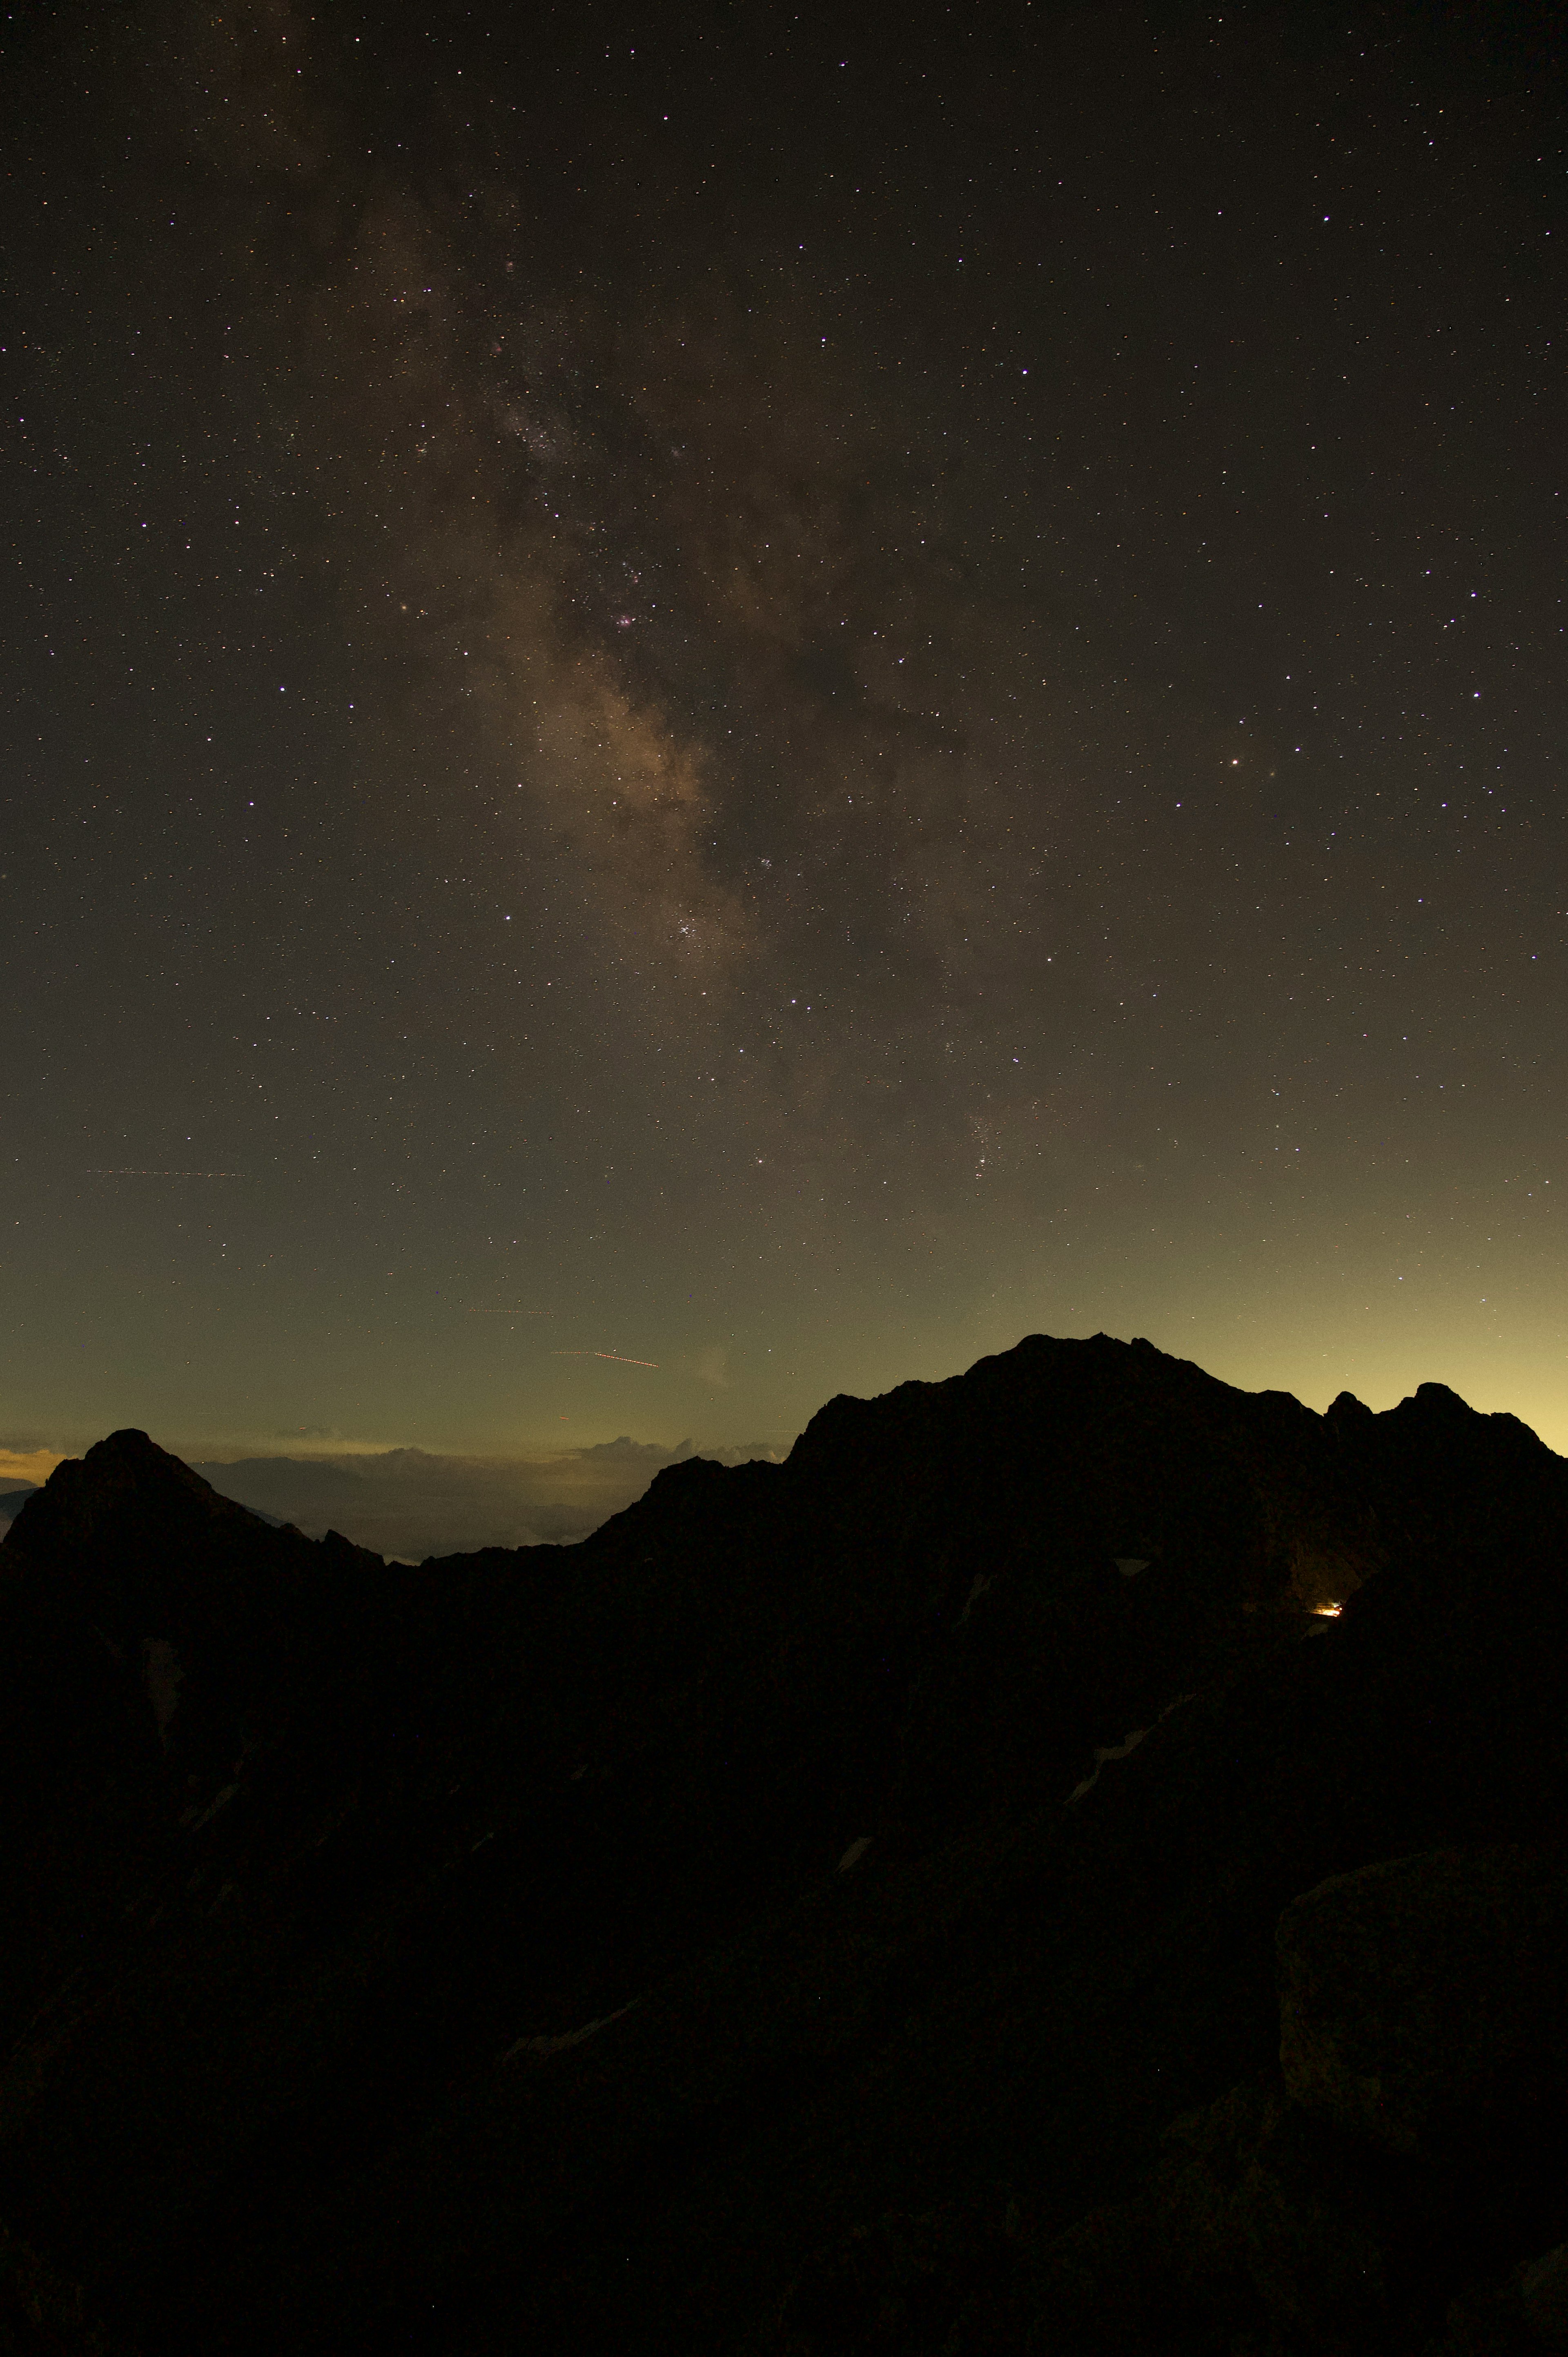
{"type": "Point", "coordinates": [982, 1582]}
{"type": "Point", "coordinates": [541, 2049]}
{"type": "Point", "coordinates": [1120, 1750]}
{"type": "Point", "coordinates": [220, 1801]}
{"type": "Point", "coordinates": [1101, 1754]}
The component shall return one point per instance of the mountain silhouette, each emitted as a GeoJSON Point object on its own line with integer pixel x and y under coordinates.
{"type": "Point", "coordinates": [801, 1916]}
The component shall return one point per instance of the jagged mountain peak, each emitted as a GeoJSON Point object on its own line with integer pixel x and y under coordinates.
{"type": "Point", "coordinates": [123, 1481]}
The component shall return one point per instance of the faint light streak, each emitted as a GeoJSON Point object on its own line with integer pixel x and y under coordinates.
{"type": "Point", "coordinates": [615, 1355]}
{"type": "Point", "coordinates": [166, 1174]}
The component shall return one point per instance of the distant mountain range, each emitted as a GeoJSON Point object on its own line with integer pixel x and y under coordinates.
{"type": "Point", "coordinates": [1072, 1860]}
{"type": "Point", "coordinates": [12, 1503]}
{"type": "Point", "coordinates": [411, 1502]}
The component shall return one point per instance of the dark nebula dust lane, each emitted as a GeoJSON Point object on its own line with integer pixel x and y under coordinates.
{"type": "Point", "coordinates": [830, 691]}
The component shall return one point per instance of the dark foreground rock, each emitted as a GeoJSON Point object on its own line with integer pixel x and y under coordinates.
{"type": "Point", "coordinates": [693, 1937]}
{"type": "Point", "coordinates": [1298, 2213]}
{"type": "Point", "coordinates": [1423, 1997]}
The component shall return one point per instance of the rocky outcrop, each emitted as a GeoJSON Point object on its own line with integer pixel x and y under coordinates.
{"type": "Point", "coordinates": [1246, 2234]}
{"type": "Point", "coordinates": [1374, 2195]}
{"type": "Point", "coordinates": [1424, 1995]}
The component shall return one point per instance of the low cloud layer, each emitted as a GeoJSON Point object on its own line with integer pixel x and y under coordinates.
{"type": "Point", "coordinates": [20, 1466]}
{"type": "Point", "coordinates": [409, 1503]}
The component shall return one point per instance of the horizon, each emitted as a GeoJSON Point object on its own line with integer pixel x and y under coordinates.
{"type": "Point", "coordinates": [1379, 1386]}
{"type": "Point", "coordinates": [407, 1500]}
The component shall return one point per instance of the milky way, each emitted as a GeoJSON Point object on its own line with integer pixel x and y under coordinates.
{"type": "Point", "coordinates": [823, 694]}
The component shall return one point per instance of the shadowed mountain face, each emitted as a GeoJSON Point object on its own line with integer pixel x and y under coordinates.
{"type": "Point", "coordinates": [543, 1941]}
{"type": "Point", "coordinates": [12, 1503]}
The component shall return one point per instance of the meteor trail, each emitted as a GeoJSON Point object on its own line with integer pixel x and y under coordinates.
{"type": "Point", "coordinates": [605, 1354]}
{"type": "Point", "coordinates": [166, 1174]}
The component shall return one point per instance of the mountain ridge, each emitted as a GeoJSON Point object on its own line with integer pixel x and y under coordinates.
{"type": "Point", "coordinates": [377, 1890]}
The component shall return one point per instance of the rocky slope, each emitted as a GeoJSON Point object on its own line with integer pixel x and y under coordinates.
{"type": "Point", "coordinates": [787, 1918]}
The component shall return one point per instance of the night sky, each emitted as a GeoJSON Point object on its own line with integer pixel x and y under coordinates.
{"type": "Point", "coordinates": [704, 706]}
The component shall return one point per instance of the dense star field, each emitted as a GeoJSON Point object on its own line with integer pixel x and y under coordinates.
{"type": "Point", "coordinates": [704, 705]}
